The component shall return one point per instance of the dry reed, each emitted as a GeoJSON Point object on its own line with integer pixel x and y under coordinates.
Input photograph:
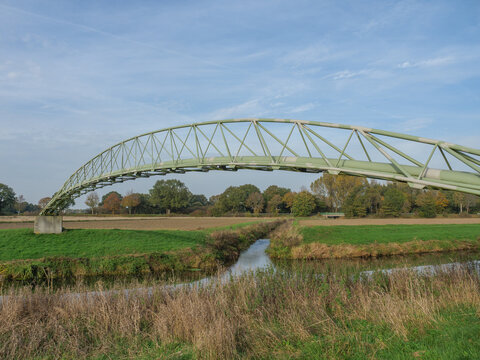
{"type": "Point", "coordinates": [244, 318]}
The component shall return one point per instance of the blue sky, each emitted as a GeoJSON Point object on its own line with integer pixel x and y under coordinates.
{"type": "Point", "coordinates": [79, 76]}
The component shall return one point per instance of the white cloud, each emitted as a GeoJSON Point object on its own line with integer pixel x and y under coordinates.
{"type": "Point", "coordinates": [250, 108]}
{"type": "Point", "coordinates": [439, 61]}
{"type": "Point", "coordinates": [415, 124]}
{"type": "Point", "coordinates": [312, 55]}
{"type": "Point", "coordinates": [346, 74]}
{"type": "Point", "coordinates": [303, 108]}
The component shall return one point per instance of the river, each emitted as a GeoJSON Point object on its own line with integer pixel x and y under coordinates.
{"type": "Point", "coordinates": [255, 258]}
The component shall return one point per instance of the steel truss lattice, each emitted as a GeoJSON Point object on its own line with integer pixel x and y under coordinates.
{"type": "Point", "coordinates": [277, 144]}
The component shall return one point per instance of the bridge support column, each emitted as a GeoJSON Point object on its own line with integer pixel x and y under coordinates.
{"type": "Point", "coordinates": [48, 225]}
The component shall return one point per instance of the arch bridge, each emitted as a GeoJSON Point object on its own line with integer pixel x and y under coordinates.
{"type": "Point", "coordinates": [278, 144]}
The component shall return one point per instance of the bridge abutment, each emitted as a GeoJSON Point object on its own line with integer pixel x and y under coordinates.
{"type": "Point", "coordinates": [48, 224]}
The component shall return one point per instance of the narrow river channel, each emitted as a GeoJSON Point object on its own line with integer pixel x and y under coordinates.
{"type": "Point", "coordinates": [255, 258]}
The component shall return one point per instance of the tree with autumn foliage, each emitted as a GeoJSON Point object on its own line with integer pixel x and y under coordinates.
{"type": "Point", "coordinates": [273, 205]}
{"type": "Point", "coordinates": [288, 199]}
{"type": "Point", "coordinates": [44, 201]}
{"type": "Point", "coordinates": [441, 202]}
{"type": "Point", "coordinates": [255, 202]}
{"type": "Point", "coordinates": [335, 189]}
{"type": "Point", "coordinates": [130, 201]}
{"type": "Point", "coordinates": [112, 203]}
{"type": "Point", "coordinates": [426, 202]}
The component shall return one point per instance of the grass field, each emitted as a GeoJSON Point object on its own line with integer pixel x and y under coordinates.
{"type": "Point", "coordinates": [24, 244]}
{"type": "Point", "coordinates": [75, 253]}
{"type": "Point", "coordinates": [294, 241]}
{"type": "Point", "coordinates": [356, 235]}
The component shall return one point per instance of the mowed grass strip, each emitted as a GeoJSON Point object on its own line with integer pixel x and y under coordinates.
{"type": "Point", "coordinates": [363, 235]}
{"type": "Point", "coordinates": [16, 244]}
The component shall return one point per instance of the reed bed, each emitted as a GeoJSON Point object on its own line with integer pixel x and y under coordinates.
{"type": "Point", "coordinates": [268, 314]}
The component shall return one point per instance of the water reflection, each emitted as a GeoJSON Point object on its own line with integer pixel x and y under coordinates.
{"type": "Point", "coordinates": [350, 266]}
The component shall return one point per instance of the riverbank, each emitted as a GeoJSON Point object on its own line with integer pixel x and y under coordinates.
{"type": "Point", "coordinates": [269, 315]}
{"type": "Point", "coordinates": [34, 258]}
{"type": "Point", "coordinates": [293, 241]}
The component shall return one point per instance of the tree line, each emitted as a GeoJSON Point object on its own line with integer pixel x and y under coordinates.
{"type": "Point", "coordinates": [354, 196]}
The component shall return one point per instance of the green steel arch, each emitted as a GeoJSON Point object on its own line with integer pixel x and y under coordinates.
{"type": "Point", "coordinates": [277, 144]}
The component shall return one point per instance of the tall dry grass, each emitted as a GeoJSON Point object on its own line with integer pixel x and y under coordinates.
{"type": "Point", "coordinates": [244, 318]}
{"type": "Point", "coordinates": [287, 243]}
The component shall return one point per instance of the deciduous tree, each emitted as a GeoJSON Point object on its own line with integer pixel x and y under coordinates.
{"type": "Point", "coordinates": [393, 201]}
{"type": "Point", "coordinates": [92, 201]}
{"type": "Point", "coordinates": [112, 203]}
{"type": "Point", "coordinates": [255, 202]}
{"type": "Point", "coordinates": [273, 205]}
{"type": "Point", "coordinates": [108, 194]}
{"type": "Point", "coordinates": [426, 203]}
{"type": "Point", "coordinates": [303, 204]}
{"type": "Point", "coordinates": [335, 188]}
{"type": "Point", "coordinates": [234, 198]}
{"type": "Point", "coordinates": [44, 201]}
{"type": "Point", "coordinates": [441, 202]}
{"type": "Point", "coordinates": [459, 200]}
{"type": "Point", "coordinates": [7, 199]}
{"type": "Point", "coordinates": [288, 199]}
{"type": "Point", "coordinates": [20, 204]}
{"type": "Point", "coordinates": [131, 201]}
{"type": "Point", "coordinates": [170, 195]}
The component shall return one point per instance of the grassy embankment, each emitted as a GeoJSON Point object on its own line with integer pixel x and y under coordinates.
{"type": "Point", "coordinates": [75, 253]}
{"type": "Point", "coordinates": [291, 241]}
{"type": "Point", "coordinates": [265, 316]}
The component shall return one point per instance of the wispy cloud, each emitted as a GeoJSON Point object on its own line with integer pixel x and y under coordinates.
{"type": "Point", "coordinates": [415, 124]}
{"type": "Point", "coordinates": [302, 108]}
{"type": "Point", "coordinates": [347, 74]}
{"type": "Point", "coordinates": [77, 78]}
{"type": "Point", "coordinates": [250, 108]}
{"type": "Point", "coordinates": [439, 61]}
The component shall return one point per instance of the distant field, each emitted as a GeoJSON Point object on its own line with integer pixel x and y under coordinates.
{"type": "Point", "coordinates": [133, 223]}
{"type": "Point", "coordinates": [313, 221]}
{"type": "Point", "coordinates": [368, 234]}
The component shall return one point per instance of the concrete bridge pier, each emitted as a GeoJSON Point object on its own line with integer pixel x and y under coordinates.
{"type": "Point", "coordinates": [48, 224]}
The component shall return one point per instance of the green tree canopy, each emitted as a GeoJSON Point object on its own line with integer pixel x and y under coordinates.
{"type": "Point", "coordinates": [273, 190]}
{"type": "Point", "coordinates": [197, 200]}
{"type": "Point", "coordinates": [7, 199]}
{"type": "Point", "coordinates": [356, 203]}
{"type": "Point", "coordinates": [234, 198]}
{"type": "Point", "coordinates": [426, 203]}
{"type": "Point", "coordinates": [303, 204]}
{"type": "Point", "coordinates": [336, 188]}
{"type": "Point", "coordinates": [393, 201]}
{"type": "Point", "coordinates": [170, 195]}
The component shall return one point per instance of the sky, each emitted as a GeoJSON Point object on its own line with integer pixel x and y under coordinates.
{"type": "Point", "coordinates": [79, 76]}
